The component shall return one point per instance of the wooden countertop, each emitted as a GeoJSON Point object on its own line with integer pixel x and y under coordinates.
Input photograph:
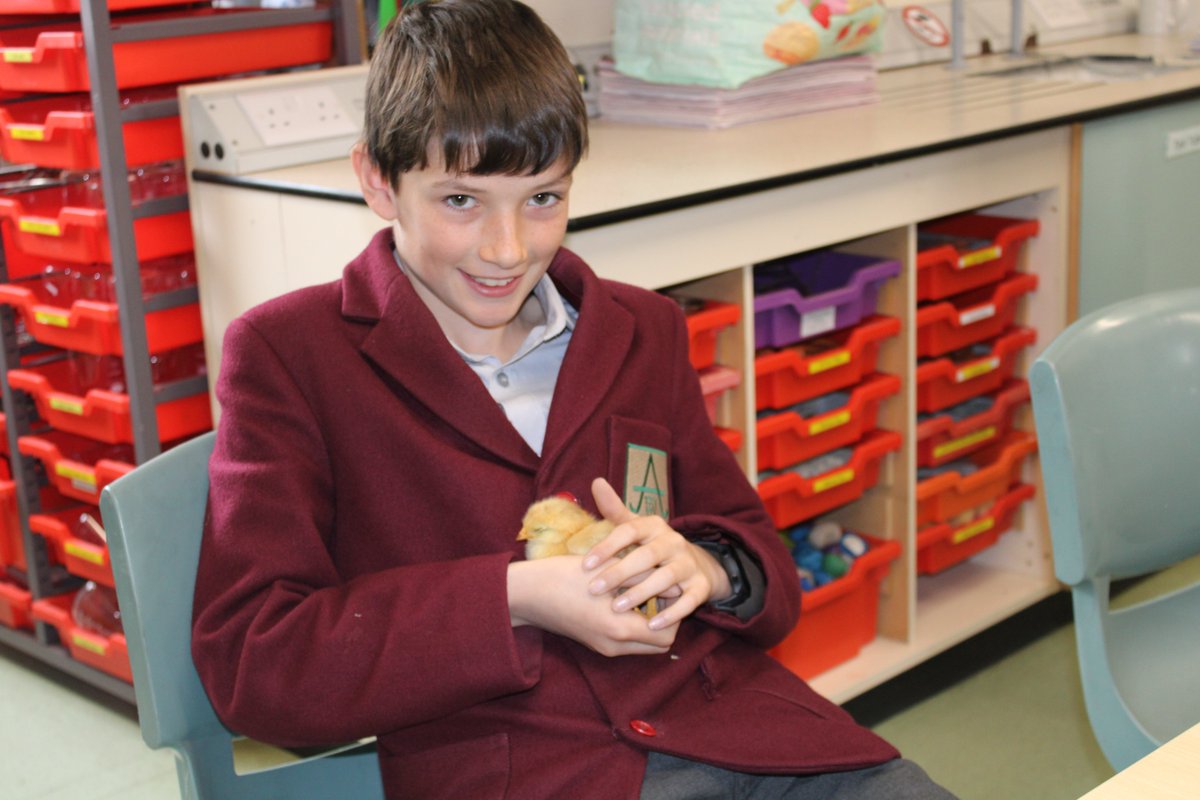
{"type": "Point", "coordinates": [636, 170]}
{"type": "Point", "coordinates": [1172, 772]}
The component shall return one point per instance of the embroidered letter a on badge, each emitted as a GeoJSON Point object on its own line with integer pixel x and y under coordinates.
{"type": "Point", "coordinates": [646, 481]}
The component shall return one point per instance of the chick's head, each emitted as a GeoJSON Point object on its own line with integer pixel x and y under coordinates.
{"type": "Point", "coordinates": [552, 520]}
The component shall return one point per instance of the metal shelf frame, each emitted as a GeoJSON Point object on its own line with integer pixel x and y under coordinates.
{"type": "Point", "coordinates": [101, 30]}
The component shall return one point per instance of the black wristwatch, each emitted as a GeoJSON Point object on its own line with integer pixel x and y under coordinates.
{"type": "Point", "coordinates": [727, 556]}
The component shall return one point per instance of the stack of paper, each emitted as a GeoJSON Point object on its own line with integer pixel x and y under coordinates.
{"type": "Point", "coordinates": [817, 86]}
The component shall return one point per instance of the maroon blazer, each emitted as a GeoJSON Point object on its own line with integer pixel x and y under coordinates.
{"type": "Point", "coordinates": [366, 494]}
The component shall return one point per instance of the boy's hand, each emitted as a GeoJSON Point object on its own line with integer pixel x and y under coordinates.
{"type": "Point", "coordinates": [552, 594]}
{"type": "Point", "coordinates": [664, 564]}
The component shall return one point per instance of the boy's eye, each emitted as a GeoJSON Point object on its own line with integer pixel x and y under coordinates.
{"type": "Point", "coordinates": [544, 199]}
{"type": "Point", "coordinates": [460, 201]}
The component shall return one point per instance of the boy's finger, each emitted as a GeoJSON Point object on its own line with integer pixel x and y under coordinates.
{"type": "Point", "coordinates": [609, 503]}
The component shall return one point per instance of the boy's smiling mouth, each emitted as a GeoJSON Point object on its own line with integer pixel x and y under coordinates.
{"type": "Point", "coordinates": [493, 283]}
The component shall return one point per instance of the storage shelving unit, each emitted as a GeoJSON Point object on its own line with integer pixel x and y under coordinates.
{"type": "Point", "coordinates": [709, 252]}
{"type": "Point", "coordinates": [110, 48]}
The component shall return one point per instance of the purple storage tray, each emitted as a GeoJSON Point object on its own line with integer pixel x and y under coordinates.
{"type": "Point", "coordinates": [800, 297]}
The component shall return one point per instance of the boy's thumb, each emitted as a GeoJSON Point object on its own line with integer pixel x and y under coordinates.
{"type": "Point", "coordinates": [609, 503]}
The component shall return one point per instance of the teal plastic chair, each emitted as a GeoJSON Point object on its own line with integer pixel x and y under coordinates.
{"type": "Point", "coordinates": [153, 518]}
{"type": "Point", "coordinates": [1116, 399]}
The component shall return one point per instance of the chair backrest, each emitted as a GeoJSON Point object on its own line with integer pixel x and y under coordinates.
{"type": "Point", "coordinates": [1117, 402]}
{"type": "Point", "coordinates": [154, 517]}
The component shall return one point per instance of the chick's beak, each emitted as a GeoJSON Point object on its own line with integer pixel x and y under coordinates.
{"type": "Point", "coordinates": [524, 535]}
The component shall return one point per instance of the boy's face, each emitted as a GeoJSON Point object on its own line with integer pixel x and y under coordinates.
{"type": "Point", "coordinates": [474, 246]}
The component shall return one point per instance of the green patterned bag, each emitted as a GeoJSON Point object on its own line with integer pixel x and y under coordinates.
{"type": "Point", "coordinates": [724, 43]}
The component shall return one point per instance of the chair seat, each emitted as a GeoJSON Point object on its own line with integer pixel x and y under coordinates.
{"type": "Point", "coordinates": [1155, 666]}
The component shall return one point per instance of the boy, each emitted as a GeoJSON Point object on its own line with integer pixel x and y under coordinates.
{"type": "Point", "coordinates": [382, 436]}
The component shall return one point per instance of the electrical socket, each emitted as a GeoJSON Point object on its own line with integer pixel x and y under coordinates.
{"type": "Point", "coordinates": [586, 57]}
{"type": "Point", "coordinates": [297, 114]}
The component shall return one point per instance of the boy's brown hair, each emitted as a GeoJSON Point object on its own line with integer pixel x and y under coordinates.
{"type": "Point", "coordinates": [484, 82]}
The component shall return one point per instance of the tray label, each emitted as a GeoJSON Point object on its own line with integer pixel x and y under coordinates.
{"type": "Point", "coordinates": [953, 446]}
{"type": "Point", "coordinates": [977, 314]}
{"type": "Point", "coordinates": [85, 553]}
{"type": "Point", "coordinates": [42, 227]}
{"type": "Point", "coordinates": [67, 406]}
{"type": "Point", "coordinates": [829, 422]}
{"type": "Point", "coordinates": [81, 479]}
{"type": "Point", "coordinates": [974, 529]}
{"type": "Point", "coordinates": [47, 318]}
{"type": "Point", "coordinates": [828, 362]}
{"type": "Point", "coordinates": [29, 133]}
{"type": "Point", "coordinates": [89, 644]}
{"type": "Point", "coordinates": [18, 55]}
{"type": "Point", "coordinates": [833, 480]}
{"type": "Point", "coordinates": [977, 257]}
{"type": "Point", "coordinates": [817, 322]}
{"type": "Point", "coordinates": [981, 367]}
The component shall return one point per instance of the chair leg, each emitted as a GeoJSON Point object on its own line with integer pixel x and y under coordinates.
{"type": "Point", "coordinates": [1120, 735]}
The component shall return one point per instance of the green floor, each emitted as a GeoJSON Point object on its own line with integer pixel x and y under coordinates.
{"type": "Point", "coordinates": [1000, 716]}
{"type": "Point", "coordinates": [1009, 719]}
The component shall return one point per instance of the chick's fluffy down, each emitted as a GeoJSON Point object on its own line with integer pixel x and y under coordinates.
{"type": "Point", "coordinates": [557, 526]}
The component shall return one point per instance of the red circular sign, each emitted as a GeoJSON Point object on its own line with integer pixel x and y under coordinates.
{"type": "Point", "coordinates": [925, 26]}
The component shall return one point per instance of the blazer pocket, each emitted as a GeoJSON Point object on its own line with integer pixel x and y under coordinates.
{"type": "Point", "coordinates": [639, 461]}
{"type": "Point", "coordinates": [474, 768]}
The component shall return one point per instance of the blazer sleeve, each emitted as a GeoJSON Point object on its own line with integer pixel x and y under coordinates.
{"type": "Point", "coordinates": [287, 650]}
{"type": "Point", "coordinates": [714, 500]}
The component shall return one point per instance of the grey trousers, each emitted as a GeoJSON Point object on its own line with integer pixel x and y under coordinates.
{"type": "Point", "coordinates": [670, 778]}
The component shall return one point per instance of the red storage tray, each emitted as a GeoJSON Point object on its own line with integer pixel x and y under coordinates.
{"type": "Point", "coordinates": [52, 59]}
{"type": "Point", "coordinates": [791, 498]}
{"type": "Point", "coordinates": [704, 324]}
{"type": "Point", "coordinates": [72, 6]}
{"type": "Point", "coordinates": [60, 132]}
{"type": "Point", "coordinates": [787, 438]}
{"type": "Point", "coordinates": [820, 366]}
{"type": "Point", "coordinates": [715, 381]}
{"type": "Point", "coordinates": [838, 619]}
{"type": "Point", "coordinates": [958, 254]}
{"type": "Point", "coordinates": [943, 497]}
{"type": "Point", "coordinates": [731, 437]}
{"type": "Point", "coordinates": [104, 415]}
{"type": "Point", "coordinates": [12, 548]}
{"type": "Point", "coordinates": [15, 605]}
{"type": "Point", "coordinates": [973, 317]}
{"type": "Point", "coordinates": [77, 478]}
{"type": "Point", "coordinates": [90, 326]}
{"type": "Point", "coordinates": [941, 439]}
{"type": "Point", "coordinates": [80, 557]}
{"type": "Point", "coordinates": [943, 546]}
{"type": "Point", "coordinates": [63, 224]}
{"type": "Point", "coordinates": [946, 382]}
{"type": "Point", "coordinates": [106, 653]}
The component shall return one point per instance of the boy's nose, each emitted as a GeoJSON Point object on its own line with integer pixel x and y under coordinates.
{"type": "Point", "coordinates": [503, 244]}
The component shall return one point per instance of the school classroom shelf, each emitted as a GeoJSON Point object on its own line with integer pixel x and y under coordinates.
{"type": "Point", "coordinates": [103, 338]}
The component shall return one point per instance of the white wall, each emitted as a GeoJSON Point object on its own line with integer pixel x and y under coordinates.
{"type": "Point", "coordinates": [577, 22]}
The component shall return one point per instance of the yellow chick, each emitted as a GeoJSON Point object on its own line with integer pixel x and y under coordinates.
{"type": "Point", "coordinates": [558, 525]}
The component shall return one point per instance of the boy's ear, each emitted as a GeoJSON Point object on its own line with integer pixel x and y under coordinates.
{"type": "Point", "coordinates": [375, 188]}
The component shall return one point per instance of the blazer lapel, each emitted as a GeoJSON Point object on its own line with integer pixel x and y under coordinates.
{"type": "Point", "coordinates": [600, 344]}
{"type": "Point", "coordinates": [406, 343]}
